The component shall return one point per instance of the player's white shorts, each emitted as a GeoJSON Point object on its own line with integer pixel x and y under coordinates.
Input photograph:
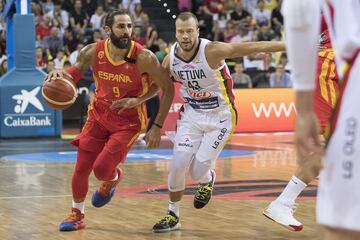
{"type": "Point", "coordinates": [204, 134]}
{"type": "Point", "coordinates": [338, 203]}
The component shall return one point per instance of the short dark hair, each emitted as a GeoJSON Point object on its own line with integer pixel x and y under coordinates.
{"type": "Point", "coordinates": [187, 15]}
{"type": "Point", "coordinates": [109, 18]}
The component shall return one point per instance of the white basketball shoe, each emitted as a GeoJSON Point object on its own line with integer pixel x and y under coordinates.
{"type": "Point", "coordinates": [282, 213]}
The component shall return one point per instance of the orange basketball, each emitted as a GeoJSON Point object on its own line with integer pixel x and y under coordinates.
{"type": "Point", "coordinates": [60, 93]}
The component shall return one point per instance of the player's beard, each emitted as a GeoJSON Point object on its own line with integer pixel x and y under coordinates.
{"type": "Point", "coordinates": [190, 46]}
{"type": "Point", "coordinates": [120, 42]}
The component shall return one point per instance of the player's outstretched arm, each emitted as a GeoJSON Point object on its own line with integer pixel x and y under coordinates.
{"type": "Point", "coordinates": [83, 61]}
{"type": "Point", "coordinates": [147, 62]}
{"type": "Point", "coordinates": [218, 51]}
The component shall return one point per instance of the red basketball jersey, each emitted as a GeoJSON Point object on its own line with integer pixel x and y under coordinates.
{"type": "Point", "coordinates": [121, 79]}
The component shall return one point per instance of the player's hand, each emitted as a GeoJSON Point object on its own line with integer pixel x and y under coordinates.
{"type": "Point", "coordinates": [307, 137]}
{"type": "Point", "coordinates": [153, 137]}
{"type": "Point", "coordinates": [56, 74]}
{"type": "Point", "coordinates": [124, 103]}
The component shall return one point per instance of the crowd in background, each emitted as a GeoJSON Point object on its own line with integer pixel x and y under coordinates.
{"type": "Point", "coordinates": [63, 27]}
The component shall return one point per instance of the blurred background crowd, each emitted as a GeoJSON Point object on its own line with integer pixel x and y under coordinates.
{"type": "Point", "coordinates": [63, 27]}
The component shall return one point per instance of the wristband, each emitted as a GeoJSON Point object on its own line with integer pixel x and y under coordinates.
{"type": "Point", "coordinates": [75, 73]}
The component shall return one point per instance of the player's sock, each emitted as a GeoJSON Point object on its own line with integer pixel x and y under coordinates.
{"type": "Point", "coordinates": [175, 207]}
{"type": "Point", "coordinates": [79, 206]}
{"type": "Point", "coordinates": [292, 190]}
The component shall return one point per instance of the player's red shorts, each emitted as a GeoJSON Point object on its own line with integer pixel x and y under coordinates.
{"type": "Point", "coordinates": [327, 88]}
{"type": "Point", "coordinates": [108, 129]}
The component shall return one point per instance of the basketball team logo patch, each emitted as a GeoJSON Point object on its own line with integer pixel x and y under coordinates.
{"type": "Point", "coordinates": [100, 54]}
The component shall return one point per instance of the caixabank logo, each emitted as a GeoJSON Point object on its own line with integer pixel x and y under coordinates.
{"type": "Point", "coordinates": [26, 110]}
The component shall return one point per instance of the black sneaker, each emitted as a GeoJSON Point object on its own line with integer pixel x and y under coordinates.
{"type": "Point", "coordinates": [204, 192]}
{"type": "Point", "coordinates": [169, 223]}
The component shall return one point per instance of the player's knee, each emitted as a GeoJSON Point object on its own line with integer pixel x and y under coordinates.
{"type": "Point", "coordinates": [199, 169]}
{"type": "Point", "coordinates": [102, 171]}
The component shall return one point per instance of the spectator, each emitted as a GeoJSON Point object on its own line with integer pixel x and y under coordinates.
{"type": "Point", "coordinates": [41, 60]}
{"type": "Point", "coordinates": [53, 43]}
{"type": "Point", "coordinates": [219, 23]}
{"type": "Point", "coordinates": [249, 5]}
{"type": "Point", "coordinates": [130, 5]}
{"type": "Point", "coordinates": [71, 40]}
{"type": "Point", "coordinates": [280, 78]}
{"type": "Point", "coordinates": [261, 78]}
{"type": "Point", "coordinates": [96, 17]}
{"type": "Point", "coordinates": [138, 15]}
{"type": "Point", "coordinates": [240, 16]}
{"type": "Point", "coordinates": [243, 35]}
{"type": "Point", "coordinates": [43, 27]}
{"type": "Point", "coordinates": [265, 33]}
{"type": "Point", "coordinates": [67, 65]}
{"type": "Point", "coordinates": [95, 37]}
{"type": "Point", "coordinates": [47, 6]}
{"type": "Point", "coordinates": [59, 18]}
{"type": "Point", "coordinates": [184, 5]}
{"type": "Point", "coordinates": [74, 54]}
{"type": "Point", "coordinates": [277, 20]}
{"type": "Point", "coordinates": [79, 18]}
{"type": "Point", "coordinates": [229, 31]}
{"type": "Point", "coordinates": [241, 80]}
{"type": "Point", "coordinates": [151, 34]}
{"type": "Point", "coordinates": [49, 66]}
{"type": "Point", "coordinates": [261, 15]}
{"type": "Point", "coordinates": [60, 59]}
{"type": "Point", "coordinates": [270, 5]}
{"type": "Point", "coordinates": [137, 36]}
{"type": "Point", "coordinates": [254, 62]}
{"type": "Point", "coordinates": [3, 66]}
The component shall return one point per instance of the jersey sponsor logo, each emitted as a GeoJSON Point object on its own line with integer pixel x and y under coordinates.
{"type": "Point", "coordinates": [101, 54]}
{"type": "Point", "coordinates": [121, 78]}
{"type": "Point", "coordinates": [194, 74]}
{"type": "Point", "coordinates": [208, 103]}
{"type": "Point", "coordinates": [188, 66]}
{"type": "Point", "coordinates": [186, 143]}
{"type": "Point", "coordinates": [220, 137]}
{"type": "Point", "coordinates": [349, 147]}
{"type": "Point", "coordinates": [198, 95]}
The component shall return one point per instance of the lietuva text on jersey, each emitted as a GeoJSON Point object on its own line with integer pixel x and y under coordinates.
{"type": "Point", "coordinates": [203, 88]}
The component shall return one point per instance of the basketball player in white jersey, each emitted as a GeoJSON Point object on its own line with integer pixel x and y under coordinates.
{"type": "Point", "coordinates": [338, 203]}
{"type": "Point", "coordinates": [209, 116]}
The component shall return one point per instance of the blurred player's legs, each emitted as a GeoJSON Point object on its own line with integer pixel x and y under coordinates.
{"type": "Point", "coordinates": [282, 209]}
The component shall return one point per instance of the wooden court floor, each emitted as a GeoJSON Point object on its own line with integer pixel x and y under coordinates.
{"type": "Point", "coordinates": [36, 195]}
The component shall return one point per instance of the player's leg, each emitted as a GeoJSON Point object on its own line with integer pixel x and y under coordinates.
{"type": "Point", "coordinates": [219, 132]}
{"type": "Point", "coordinates": [187, 141]}
{"type": "Point", "coordinates": [282, 209]}
{"type": "Point", "coordinates": [338, 196]}
{"type": "Point", "coordinates": [89, 146]}
{"type": "Point", "coordinates": [106, 164]}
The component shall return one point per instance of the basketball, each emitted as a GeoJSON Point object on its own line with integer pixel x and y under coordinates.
{"type": "Point", "coordinates": [60, 93]}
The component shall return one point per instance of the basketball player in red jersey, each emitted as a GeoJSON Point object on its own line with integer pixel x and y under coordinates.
{"type": "Point", "coordinates": [119, 66]}
{"type": "Point", "coordinates": [325, 97]}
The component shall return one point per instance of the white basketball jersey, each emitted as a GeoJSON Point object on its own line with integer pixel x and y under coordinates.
{"type": "Point", "coordinates": [204, 89]}
{"type": "Point", "coordinates": [343, 19]}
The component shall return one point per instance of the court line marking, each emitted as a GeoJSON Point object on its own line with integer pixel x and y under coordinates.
{"type": "Point", "coordinates": [35, 196]}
